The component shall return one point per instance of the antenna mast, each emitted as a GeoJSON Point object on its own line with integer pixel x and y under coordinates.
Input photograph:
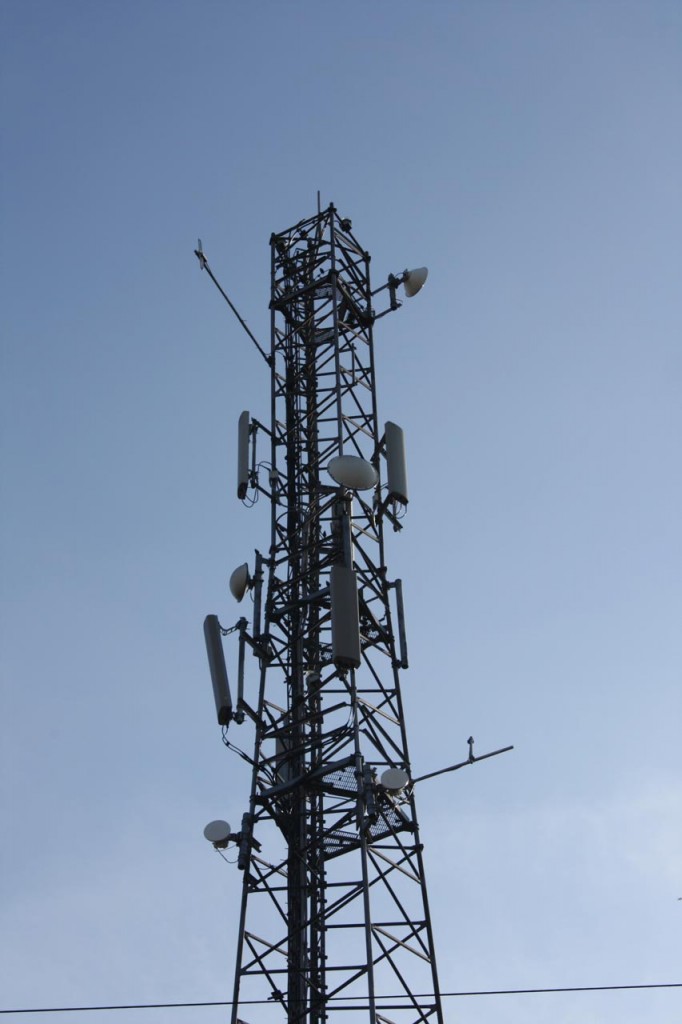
{"type": "Point", "coordinates": [334, 922]}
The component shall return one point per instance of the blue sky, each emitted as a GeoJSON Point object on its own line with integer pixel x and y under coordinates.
{"type": "Point", "coordinates": [531, 154]}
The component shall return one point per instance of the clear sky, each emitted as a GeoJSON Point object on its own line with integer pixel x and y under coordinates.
{"type": "Point", "coordinates": [531, 154]}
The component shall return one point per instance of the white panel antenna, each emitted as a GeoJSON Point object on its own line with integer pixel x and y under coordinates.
{"type": "Point", "coordinates": [244, 431]}
{"type": "Point", "coordinates": [216, 664]}
{"type": "Point", "coordinates": [396, 467]}
{"type": "Point", "coordinates": [345, 617]}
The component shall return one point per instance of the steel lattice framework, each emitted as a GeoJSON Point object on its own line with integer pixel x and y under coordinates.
{"type": "Point", "coordinates": [334, 912]}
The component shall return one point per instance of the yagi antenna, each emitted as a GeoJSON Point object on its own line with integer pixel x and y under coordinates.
{"type": "Point", "coordinates": [203, 263]}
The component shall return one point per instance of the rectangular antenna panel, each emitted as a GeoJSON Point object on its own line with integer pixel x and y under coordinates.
{"type": "Point", "coordinates": [343, 589]}
{"type": "Point", "coordinates": [396, 467]}
{"type": "Point", "coordinates": [243, 454]}
{"type": "Point", "coordinates": [216, 663]}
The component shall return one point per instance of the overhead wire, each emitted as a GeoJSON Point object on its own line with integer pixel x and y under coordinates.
{"type": "Point", "coordinates": [383, 1005]}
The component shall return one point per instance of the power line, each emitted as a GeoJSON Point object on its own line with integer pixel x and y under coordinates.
{"type": "Point", "coordinates": [383, 1006]}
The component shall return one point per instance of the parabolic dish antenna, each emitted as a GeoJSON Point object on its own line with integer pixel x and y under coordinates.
{"type": "Point", "coordinates": [353, 472]}
{"type": "Point", "coordinates": [239, 581]}
{"type": "Point", "coordinates": [413, 280]}
{"type": "Point", "coordinates": [394, 780]}
{"type": "Point", "coordinates": [217, 832]}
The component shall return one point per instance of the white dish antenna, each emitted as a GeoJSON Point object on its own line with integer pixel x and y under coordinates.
{"type": "Point", "coordinates": [240, 581]}
{"type": "Point", "coordinates": [413, 280]}
{"type": "Point", "coordinates": [394, 780]}
{"type": "Point", "coordinates": [353, 472]}
{"type": "Point", "coordinates": [218, 832]}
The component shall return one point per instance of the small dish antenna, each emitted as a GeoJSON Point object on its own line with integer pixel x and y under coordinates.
{"type": "Point", "coordinates": [414, 280]}
{"type": "Point", "coordinates": [218, 832]}
{"type": "Point", "coordinates": [394, 780]}
{"type": "Point", "coordinates": [240, 581]}
{"type": "Point", "coordinates": [353, 472]}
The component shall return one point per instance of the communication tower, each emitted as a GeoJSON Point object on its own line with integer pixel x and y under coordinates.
{"type": "Point", "coordinates": [334, 922]}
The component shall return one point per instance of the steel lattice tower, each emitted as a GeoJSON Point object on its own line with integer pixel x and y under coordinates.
{"type": "Point", "coordinates": [334, 920]}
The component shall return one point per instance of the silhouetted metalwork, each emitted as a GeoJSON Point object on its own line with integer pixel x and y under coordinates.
{"type": "Point", "coordinates": [334, 899]}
